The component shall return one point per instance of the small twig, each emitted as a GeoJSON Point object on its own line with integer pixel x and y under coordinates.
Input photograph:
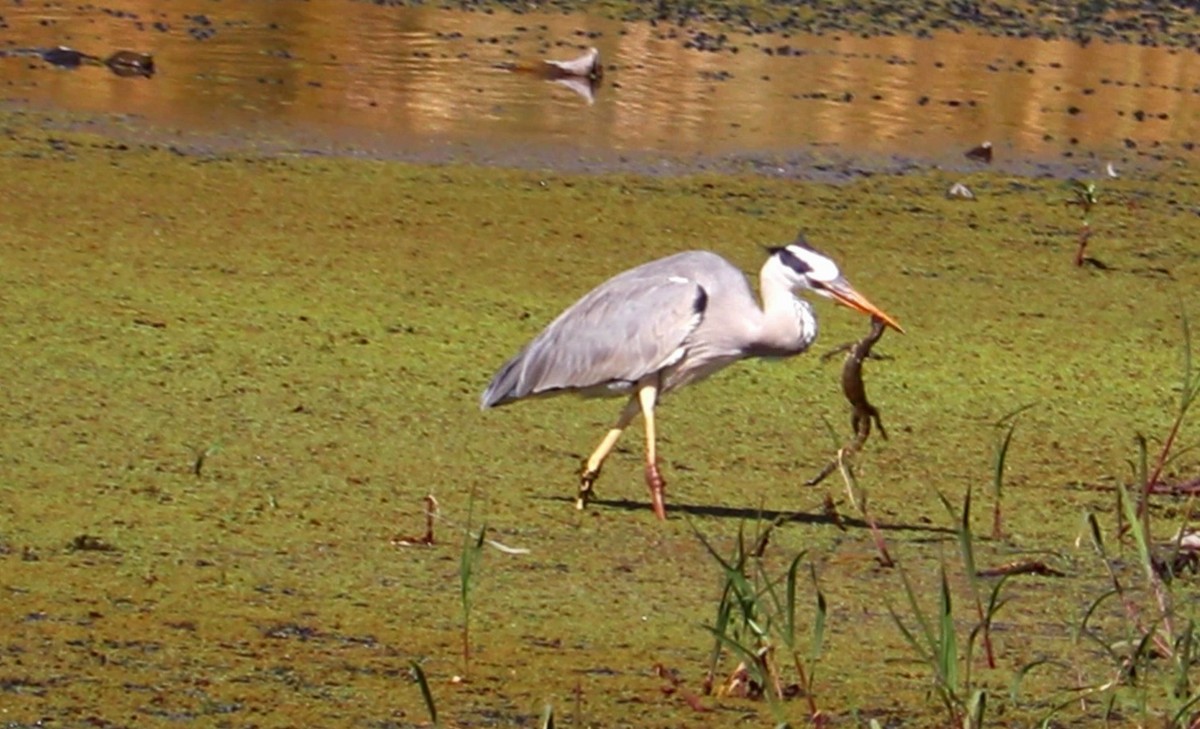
{"type": "Point", "coordinates": [885, 558]}
{"type": "Point", "coordinates": [432, 512]}
{"type": "Point", "coordinates": [1023, 567]}
{"type": "Point", "coordinates": [1183, 488]}
{"type": "Point", "coordinates": [847, 476]}
{"type": "Point", "coordinates": [200, 455]}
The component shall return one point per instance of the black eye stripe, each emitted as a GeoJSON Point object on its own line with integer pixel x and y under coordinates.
{"type": "Point", "coordinates": [791, 260]}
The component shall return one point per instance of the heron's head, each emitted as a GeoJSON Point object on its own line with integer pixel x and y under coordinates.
{"type": "Point", "coordinates": [805, 268]}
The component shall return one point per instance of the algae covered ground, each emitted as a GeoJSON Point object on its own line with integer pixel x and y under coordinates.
{"type": "Point", "coordinates": [231, 380]}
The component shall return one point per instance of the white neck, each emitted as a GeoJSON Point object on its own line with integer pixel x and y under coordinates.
{"type": "Point", "coordinates": [788, 326]}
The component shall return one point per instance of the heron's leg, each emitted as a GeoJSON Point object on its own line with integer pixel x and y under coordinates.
{"type": "Point", "coordinates": [648, 396]}
{"type": "Point", "coordinates": [591, 469]}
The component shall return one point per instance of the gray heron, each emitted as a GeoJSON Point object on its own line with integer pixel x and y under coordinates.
{"type": "Point", "coordinates": [666, 324]}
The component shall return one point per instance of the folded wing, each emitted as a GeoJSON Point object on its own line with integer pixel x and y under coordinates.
{"type": "Point", "coordinates": [629, 327]}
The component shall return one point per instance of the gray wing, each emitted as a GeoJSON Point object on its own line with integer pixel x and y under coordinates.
{"type": "Point", "coordinates": [626, 328]}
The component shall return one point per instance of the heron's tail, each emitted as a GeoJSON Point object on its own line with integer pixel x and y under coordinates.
{"type": "Point", "coordinates": [504, 387]}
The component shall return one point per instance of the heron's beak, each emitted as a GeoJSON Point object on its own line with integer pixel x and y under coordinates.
{"type": "Point", "coordinates": [842, 292]}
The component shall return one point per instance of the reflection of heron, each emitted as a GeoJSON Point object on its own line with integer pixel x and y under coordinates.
{"type": "Point", "coordinates": [584, 87]}
{"type": "Point", "coordinates": [668, 323]}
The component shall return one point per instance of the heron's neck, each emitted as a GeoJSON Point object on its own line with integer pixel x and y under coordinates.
{"type": "Point", "coordinates": [788, 326]}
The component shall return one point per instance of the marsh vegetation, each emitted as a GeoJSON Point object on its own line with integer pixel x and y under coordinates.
{"type": "Point", "coordinates": [231, 379]}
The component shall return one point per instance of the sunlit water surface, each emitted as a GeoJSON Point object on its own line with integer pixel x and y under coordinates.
{"type": "Point", "coordinates": [389, 80]}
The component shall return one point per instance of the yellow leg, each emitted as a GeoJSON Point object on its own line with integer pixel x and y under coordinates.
{"type": "Point", "coordinates": [591, 470]}
{"type": "Point", "coordinates": [648, 396]}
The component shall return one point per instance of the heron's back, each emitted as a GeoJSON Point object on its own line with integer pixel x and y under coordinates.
{"type": "Point", "coordinates": [640, 321]}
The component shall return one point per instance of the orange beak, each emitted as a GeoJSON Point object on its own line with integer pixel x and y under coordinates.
{"type": "Point", "coordinates": [842, 292]}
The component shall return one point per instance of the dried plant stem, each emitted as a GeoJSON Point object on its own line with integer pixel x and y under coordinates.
{"type": "Point", "coordinates": [885, 558]}
{"type": "Point", "coordinates": [1084, 234]}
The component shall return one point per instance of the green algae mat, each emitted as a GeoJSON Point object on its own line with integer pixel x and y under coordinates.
{"type": "Point", "coordinates": [230, 382]}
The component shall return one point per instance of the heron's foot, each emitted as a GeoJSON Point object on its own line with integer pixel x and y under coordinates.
{"type": "Point", "coordinates": [585, 487]}
{"type": "Point", "coordinates": [657, 485]}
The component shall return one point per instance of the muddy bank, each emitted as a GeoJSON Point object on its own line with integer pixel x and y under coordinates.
{"type": "Point", "coordinates": [1146, 23]}
{"type": "Point", "coordinates": [815, 164]}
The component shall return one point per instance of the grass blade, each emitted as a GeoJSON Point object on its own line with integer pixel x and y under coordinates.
{"type": "Point", "coordinates": [472, 552]}
{"type": "Point", "coordinates": [998, 462]}
{"type": "Point", "coordinates": [419, 676]}
{"type": "Point", "coordinates": [818, 630]}
{"type": "Point", "coordinates": [928, 650]}
{"type": "Point", "coordinates": [965, 542]}
{"type": "Point", "coordinates": [789, 616]}
{"type": "Point", "coordinates": [1189, 392]}
{"type": "Point", "coordinates": [1138, 528]}
{"type": "Point", "coordinates": [1183, 659]}
{"type": "Point", "coordinates": [747, 654]}
{"type": "Point", "coordinates": [975, 709]}
{"type": "Point", "coordinates": [947, 639]}
{"type": "Point", "coordinates": [1014, 690]}
{"type": "Point", "coordinates": [1181, 717]}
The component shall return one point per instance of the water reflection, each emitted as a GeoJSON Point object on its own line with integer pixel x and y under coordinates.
{"type": "Point", "coordinates": [388, 77]}
{"type": "Point", "coordinates": [584, 88]}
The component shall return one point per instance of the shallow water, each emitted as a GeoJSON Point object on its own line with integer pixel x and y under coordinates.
{"type": "Point", "coordinates": [393, 80]}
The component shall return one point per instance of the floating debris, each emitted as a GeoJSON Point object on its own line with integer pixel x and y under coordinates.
{"type": "Point", "coordinates": [131, 63]}
{"type": "Point", "coordinates": [959, 191]}
{"type": "Point", "coordinates": [122, 63]}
